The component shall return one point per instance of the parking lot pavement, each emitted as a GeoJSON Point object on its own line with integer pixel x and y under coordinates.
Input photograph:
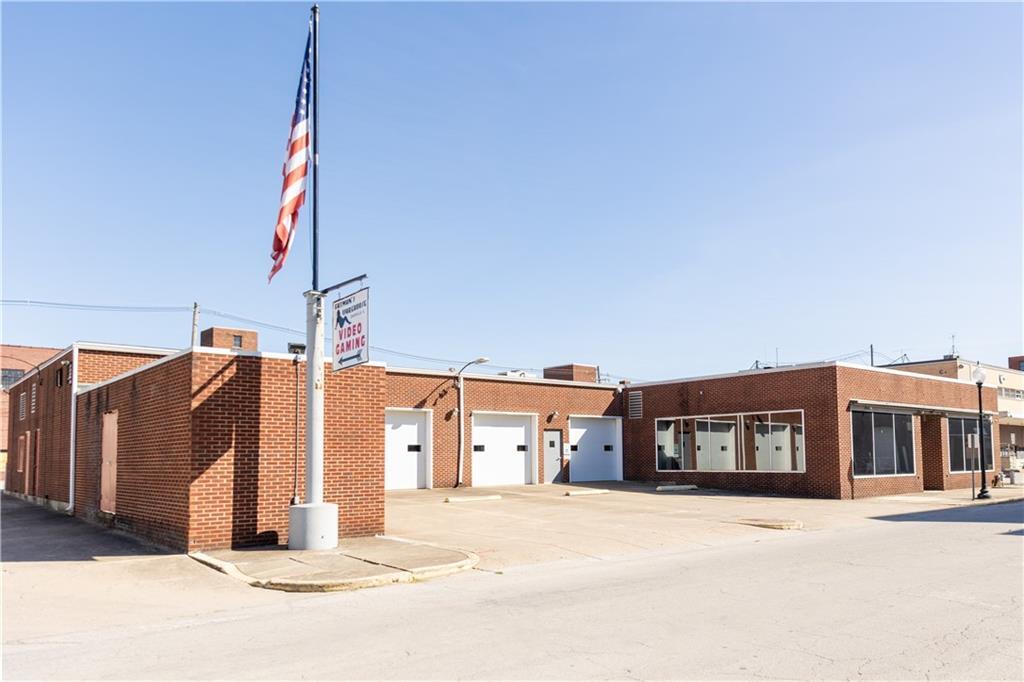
{"type": "Point", "coordinates": [535, 524]}
{"type": "Point", "coordinates": [62, 575]}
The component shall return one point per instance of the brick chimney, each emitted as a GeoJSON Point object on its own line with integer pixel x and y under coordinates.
{"type": "Point", "coordinates": [572, 372]}
{"type": "Point", "coordinates": [224, 337]}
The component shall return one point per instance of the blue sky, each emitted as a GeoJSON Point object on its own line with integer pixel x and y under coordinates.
{"type": "Point", "coordinates": [661, 189]}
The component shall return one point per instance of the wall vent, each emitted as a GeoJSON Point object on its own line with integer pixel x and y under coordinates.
{"type": "Point", "coordinates": [636, 405]}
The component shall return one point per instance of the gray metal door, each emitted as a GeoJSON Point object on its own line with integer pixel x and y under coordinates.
{"type": "Point", "coordinates": [552, 456]}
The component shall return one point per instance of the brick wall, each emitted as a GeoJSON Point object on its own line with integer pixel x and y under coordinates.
{"type": "Point", "coordinates": [811, 390]}
{"type": "Point", "coordinates": [409, 389]}
{"type": "Point", "coordinates": [153, 451]}
{"type": "Point", "coordinates": [572, 372]}
{"type": "Point", "coordinates": [824, 393]}
{"type": "Point", "coordinates": [244, 445]}
{"type": "Point", "coordinates": [24, 358]}
{"type": "Point", "coordinates": [897, 387]}
{"type": "Point", "coordinates": [46, 431]}
{"type": "Point", "coordinates": [224, 337]}
{"type": "Point", "coordinates": [95, 366]}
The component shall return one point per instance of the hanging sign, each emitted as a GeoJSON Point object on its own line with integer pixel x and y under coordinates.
{"type": "Point", "coordinates": [351, 324]}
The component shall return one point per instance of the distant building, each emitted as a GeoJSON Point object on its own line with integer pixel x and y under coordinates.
{"type": "Point", "coordinates": [15, 362]}
{"type": "Point", "coordinates": [1009, 384]}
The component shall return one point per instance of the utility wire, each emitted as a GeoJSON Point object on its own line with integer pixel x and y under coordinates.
{"type": "Point", "coordinates": [230, 316]}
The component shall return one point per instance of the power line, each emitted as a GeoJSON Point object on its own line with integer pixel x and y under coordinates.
{"type": "Point", "coordinates": [233, 317]}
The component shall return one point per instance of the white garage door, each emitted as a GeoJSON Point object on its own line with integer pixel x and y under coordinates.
{"type": "Point", "coordinates": [595, 446]}
{"type": "Point", "coordinates": [406, 448]}
{"type": "Point", "coordinates": [503, 447]}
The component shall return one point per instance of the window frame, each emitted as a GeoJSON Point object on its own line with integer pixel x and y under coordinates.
{"type": "Point", "coordinates": [963, 441]}
{"type": "Point", "coordinates": [737, 418]}
{"type": "Point", "coordinates": [874, 467]}
{"type": "Point", "coordinates": [22, 406]}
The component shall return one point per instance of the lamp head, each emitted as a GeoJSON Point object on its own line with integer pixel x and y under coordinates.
{"type": "Point", "coordinates": [979, 375]}
{"type": "Point", "coordinates": [481, 360]}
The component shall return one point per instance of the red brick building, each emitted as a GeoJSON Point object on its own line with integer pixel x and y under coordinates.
{"type": "Point", "coordinates": [204, 447]}
{"type": "Point", "coordinates": [825, 430]}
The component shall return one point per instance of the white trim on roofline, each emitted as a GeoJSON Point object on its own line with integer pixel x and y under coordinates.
{"type": "Point", "coordinates": [495, 377]}
{"type": "Point", "coordinates": [742, 372]}
{"type": "Point", "coordinates": [121, 348]}
{"type": "Point", "coordinates": [89, 345]}
{"type": "Point", "coordinates": [794, 368]}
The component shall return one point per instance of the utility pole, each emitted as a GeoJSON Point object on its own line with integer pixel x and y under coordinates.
{"type": "Point", "coordinates": [195, 324]}
{"type": "Point", "coordinates": [872, 346]}
{"type": "Point", "coordinates": [314, 524]}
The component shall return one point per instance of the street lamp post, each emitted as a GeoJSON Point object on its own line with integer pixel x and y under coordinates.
{"type": "Point", "coordinates": [462, 421]}
{"type": "Point", "coordinates": [979, 379]}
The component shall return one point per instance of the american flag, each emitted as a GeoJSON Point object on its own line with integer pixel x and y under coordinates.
{"type": "Point", "coordinates": [293, 190]}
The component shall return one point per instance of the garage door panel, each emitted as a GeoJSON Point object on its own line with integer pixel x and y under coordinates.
{"type": "Point", "coordinates": [502, 449]}
{"type": "Point", "coordinates": [406, 462]}
{"type": "Point", "coordinates": [596, 453]}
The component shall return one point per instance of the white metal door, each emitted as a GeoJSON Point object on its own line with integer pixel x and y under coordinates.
{"type": "Point", "coordinates": [502, 444]}
{"type": "Point", "coordinates": [595, 444]}
{"type": "Point", "coordinates": [552, 456]}
{"type": "Point", "coordinates": [406, 464]}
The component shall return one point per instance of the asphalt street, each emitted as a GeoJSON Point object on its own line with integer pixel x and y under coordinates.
{"type": "Point", "coordinates": [925, 595]}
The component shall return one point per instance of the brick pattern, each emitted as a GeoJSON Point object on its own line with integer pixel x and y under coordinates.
{"type": "Point", "coordinates": [244, 444]}
{"type": "Point", "coordinates": [25, 358]}
{"type": "Point", "coordinates": [812, 390]}
{"type": "Point", "coordinates": [855, 384]}
{"type": "Point", "coordinates": [438, 393]}
{"type": "Point", "coordinates": [95, 366]}
{"type": "Point", "coordinates": [572, 372]}
{"type": "Point", "coordinates": [824, 393]}
{"type": "Point", "coordinates": [224, 337]}
{"type": "Point", "coordinates": [46, 475]}
{"type": "Point", "coordinates": [153, 451]}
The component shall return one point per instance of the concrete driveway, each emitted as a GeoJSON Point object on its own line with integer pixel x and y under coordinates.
{"type": "Point", "coordinates": [539, 523]}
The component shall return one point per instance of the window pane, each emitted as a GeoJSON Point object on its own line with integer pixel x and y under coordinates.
{"type": "Point", "coordinates": [863, 460]}
{"type": "Point", "coordinates": [723, 444]}
{"type": "Point", "coordinates": [798, 441]}
{"type": "Point", "coordinates": [885, 448]}
{"type": "Point", "coordinates": [703, 445]}
{"type": "Point", "coordinates": [956, 444]}
{"type": "Point", "coordinates": [761, 443]}
{"type": "Point", "coordinates": [970, 444]}
{"type": "Point", "coordinates": [688, 445]}
{"type": "Point", "coordinates": [904, 444]}
{"type": "Point", "coordinates": [988, 444]}
{"type": "Point", "coordinates": [783, 452]}
{"type": "Point", "coordinates": [668, 444]}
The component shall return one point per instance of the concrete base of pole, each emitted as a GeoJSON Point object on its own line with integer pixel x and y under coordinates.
{"type": "Point", "coordinates": [313, 526]}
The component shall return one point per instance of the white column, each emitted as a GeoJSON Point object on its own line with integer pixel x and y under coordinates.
{"type": "Point", "coordinates": [314, 524]}
{"type": "Point", "coordinates": [314, 397]}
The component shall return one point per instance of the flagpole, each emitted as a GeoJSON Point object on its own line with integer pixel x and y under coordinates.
{"type": "Point", "coordinates": [316, 147]}
{"type": "Point", "coordinates": [314, 524]}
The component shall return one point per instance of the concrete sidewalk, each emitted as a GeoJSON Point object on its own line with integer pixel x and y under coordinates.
{"type": "Point", "coordinates": [356, 563]}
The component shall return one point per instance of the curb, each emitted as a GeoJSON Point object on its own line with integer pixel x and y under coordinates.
{"type": "Point", "coordinates": [674, 488]}
{"type": "Point", "coordinates": [399, 575]}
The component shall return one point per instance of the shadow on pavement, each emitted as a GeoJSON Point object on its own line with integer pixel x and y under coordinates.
{"type": "Point", "coordinates": [32, 533]}
{"type": "Point", "coordinates": [1010, 512]}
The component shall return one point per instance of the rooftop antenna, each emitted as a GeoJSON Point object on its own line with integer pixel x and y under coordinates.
{"type": "Point", "coordinates": [953, 351]}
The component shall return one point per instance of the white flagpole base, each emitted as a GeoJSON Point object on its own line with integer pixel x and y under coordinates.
{"type": "Point", "coordinates": [313, 526]}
